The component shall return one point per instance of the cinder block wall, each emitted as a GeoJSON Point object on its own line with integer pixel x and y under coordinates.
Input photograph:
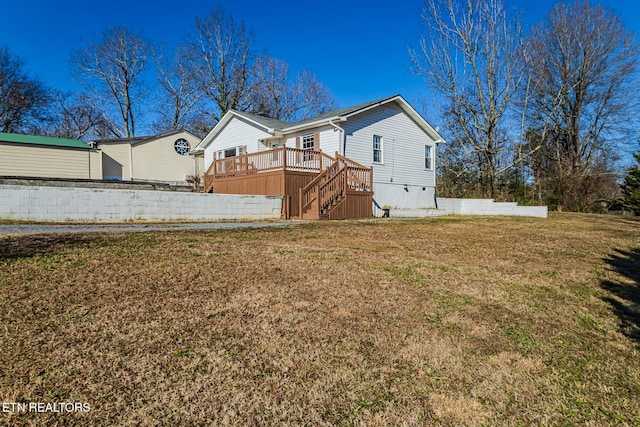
{"type": "Point", "coordinates": [489, 207]}
{"type": "Point", "coordinates": [64, 204]}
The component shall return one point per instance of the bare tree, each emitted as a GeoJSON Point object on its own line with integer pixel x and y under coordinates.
{"type": "Point", "coordinates": [583, 63]}
{"type": "Point", "coordinates": [470, 57]}
{"type": "Point", "coordinates": [113, 70]}
{"type": "Point", "coordinates": [272, 92]}
{"type": "Point", "coordinates": [219, 57]}
{"type": "Point", "coordinates": [180, 95]}
{"type": "Point", "coordinates": [23, 99]}
{"type": "Point", "coordinates": [73, 116]}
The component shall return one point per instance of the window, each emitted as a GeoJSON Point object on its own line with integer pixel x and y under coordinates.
{"type": "Point", "coordinates": [308, 143]}
{"type": "Point", "coordinates": [377, 149]}
{"type": "Point", "coordinates": [181, 146]}
{"type": "Point", "coordinates": [231, 152]}
{"type": "Point", "coordinates": [427, 157]}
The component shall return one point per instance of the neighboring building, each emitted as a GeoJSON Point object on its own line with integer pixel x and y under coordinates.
{"type": "Point", "coordinates": [157, 158]}
{"type": "Point", "coordinates": [387, 136]}
{"type": "Point", "coordinates": [48, 157]}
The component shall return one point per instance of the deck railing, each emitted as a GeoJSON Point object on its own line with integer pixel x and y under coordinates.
{"type": "Point", "coordinates": [283, 158]}
{"type": "Point", "coordinates": [332, 184]}
{"type": "Point", "coordinates": [332, 190]}
{"type": "Point", "coordinates": [336, 177]}
{"type": "Point", "coordinates": [359, 177]}
{"type": "Point", "coordinates": [309, 193]}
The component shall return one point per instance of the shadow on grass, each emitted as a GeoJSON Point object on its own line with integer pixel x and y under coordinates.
{"type": "Point", "coordinates": [627, 304]}
{"type": "Point", "coordinates": [29, 246]}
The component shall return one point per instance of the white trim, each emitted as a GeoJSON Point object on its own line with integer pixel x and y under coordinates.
{"type": "Point", "coordinates": [207, 140]}
{"type": "Point", "coordinates": [404, 105]}
{"type": "Point", "coordinates": [380, 149]}
{"type": "Point", "coordinates": [430, 157]}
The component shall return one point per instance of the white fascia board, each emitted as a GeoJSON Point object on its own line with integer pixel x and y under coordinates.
{"type": "Point", "coordinates": [213, 132]}
{"type": "Point", "coordinates": [267, 129]}
{"type": "Point", "coordinates": [376, 105]}
{"type": "Point", "coordinates": [314, 124]}
{"type": "Point", "coordinates": [207, 140]}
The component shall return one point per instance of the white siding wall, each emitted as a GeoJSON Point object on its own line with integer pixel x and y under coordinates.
{"type": "Point", "coordinates": [403, 146]}
{"type": "Point", "coordinates": [236, 133]}
{"type": "Point", "coordinates": [329, 139]}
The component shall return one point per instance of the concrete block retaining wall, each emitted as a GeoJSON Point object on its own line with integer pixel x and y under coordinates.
{"type": "Point", "coordinates": [65, 204]}
{"type": "Point", "coordinates": [489, 207]}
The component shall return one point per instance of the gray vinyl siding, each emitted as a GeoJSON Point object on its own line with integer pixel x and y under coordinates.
{"type": "Point", "coordinates": [237, 132]}
{"type": "Point", "coordinates": [403, 146]}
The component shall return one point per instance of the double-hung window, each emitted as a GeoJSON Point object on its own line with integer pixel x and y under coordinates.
{"type": "Point", "coordinates": [308, 143]}
{"type": "Point", "coordinates": [377, 149]}
{"type": "Point", "coordinates": [428, 157]}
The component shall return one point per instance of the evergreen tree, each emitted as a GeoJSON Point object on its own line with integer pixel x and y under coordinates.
{"type": "Point", "coordinates": [631, 187]}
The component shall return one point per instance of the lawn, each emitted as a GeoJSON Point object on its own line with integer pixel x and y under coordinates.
{"type": "Point", "coordinates": [450, 321]}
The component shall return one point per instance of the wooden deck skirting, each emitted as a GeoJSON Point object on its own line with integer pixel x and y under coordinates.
{"type": "Point", "coordinates": [314, 185]}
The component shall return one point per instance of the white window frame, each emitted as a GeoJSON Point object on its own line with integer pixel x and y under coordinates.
{"type": "Point", "coordinates": [304, 144]}
{"type": "Point", "coordinates": [379, 140]}
{"type": "Point", "coordinates": [222, 154]}
{"type": "Point", "coordinates": [306, 140]}
{"type": "Point", "coordinates": [428, 156]}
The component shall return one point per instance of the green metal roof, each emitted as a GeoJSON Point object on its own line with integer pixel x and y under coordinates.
{"type": "Point", "coordinates": [42, 140]}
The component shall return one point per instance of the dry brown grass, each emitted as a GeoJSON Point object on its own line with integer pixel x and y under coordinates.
{"type": "Point", "coordinates": [453, 321]}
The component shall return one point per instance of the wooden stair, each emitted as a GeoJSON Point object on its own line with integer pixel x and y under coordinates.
{"type": "Point", "coordinates": [331, 188]}
{"type": "Point", "coordinates": [313, 184]}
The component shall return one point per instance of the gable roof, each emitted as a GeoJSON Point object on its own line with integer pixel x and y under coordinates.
{"type": "Point", "coordinates": [278, 127]}
{"type": "Point", "coordinates": [42, 140]}
{"type": "Point", "coordinates": [140, 139]}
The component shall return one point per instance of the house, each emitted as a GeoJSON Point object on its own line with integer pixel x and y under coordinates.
{"type": "Point", "coordinates": [48, 157]}
{"type": "Point", "coordinates": [156, 158]}
{"type": "Point", "coordinates": [329, 166]}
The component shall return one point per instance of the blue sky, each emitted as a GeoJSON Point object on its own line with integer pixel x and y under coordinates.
{"type": "Point", "coordinates": [357, 48]}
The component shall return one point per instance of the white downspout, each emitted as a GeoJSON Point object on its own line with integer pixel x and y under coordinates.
{"type": "Point", "coordinates": [342, 140]}
{"type": "Point", "coordinates": [130, 162]}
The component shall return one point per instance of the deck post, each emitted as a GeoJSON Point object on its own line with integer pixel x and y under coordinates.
{"type": "Point", "coordinates": [215, 167]}
{"type": "Point", "coordinates": [370, 179]}
{"type": "Point", "coordinates": [300, 202]}
{"type": "Point", "coordinates": [284, 157]}
{"type": "Point", "coordinates": [320, 155]}
{"type": "Point", "coordinates": [345, 183]}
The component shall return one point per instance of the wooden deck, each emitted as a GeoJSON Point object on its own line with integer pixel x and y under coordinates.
{"type": "Point", "coordinates": [313, 184]}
